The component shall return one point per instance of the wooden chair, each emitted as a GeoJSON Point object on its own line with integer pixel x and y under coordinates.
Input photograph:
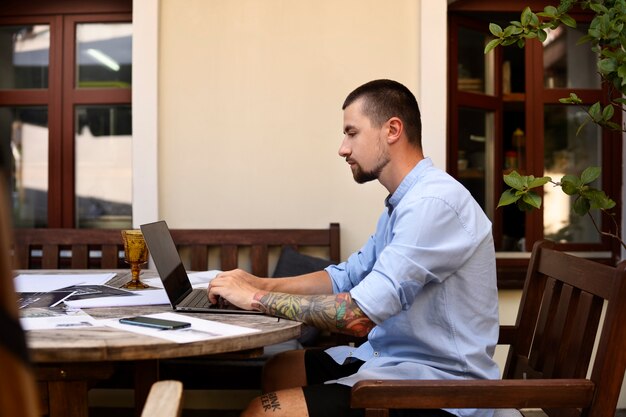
{"type": "Point", "coordinates": [164, 400]}
{"type": "Point", "coordinates": [18, 390]}
{"type": "Point", "coordinates": [550, 349]}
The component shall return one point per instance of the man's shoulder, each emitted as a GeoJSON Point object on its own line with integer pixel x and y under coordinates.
{"type": "Point", "coordinates": [438, 181]}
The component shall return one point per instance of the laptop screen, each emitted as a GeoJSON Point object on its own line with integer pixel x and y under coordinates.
{"type": "Point", "coordinates": [167, 260]}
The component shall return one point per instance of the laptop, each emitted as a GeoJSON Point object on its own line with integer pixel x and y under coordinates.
{"type": "Point", "coordinates": [174, 277]}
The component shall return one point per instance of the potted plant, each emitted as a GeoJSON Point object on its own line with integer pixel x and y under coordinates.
{"type": "Point", "coordinates": [607, 38]}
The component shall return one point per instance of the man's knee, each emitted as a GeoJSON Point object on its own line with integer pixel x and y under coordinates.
{"type": "Point", "coordinates": [290, 402]}
{"type": "Point", "coordinates": [284, 370]}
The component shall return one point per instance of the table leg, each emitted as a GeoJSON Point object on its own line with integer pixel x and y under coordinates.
{"type": "Point", "coordinates": [146, 374]}
{"type": "Point", "coordinates": [67, 386]}
{"type": "Point", "coordinates": [68, 399]}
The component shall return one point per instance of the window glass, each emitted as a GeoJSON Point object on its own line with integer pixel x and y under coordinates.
{"type": "Point", "coordinates": [103, 166]}
{"type": "Point", "coordinates": [566, 64]}
{"type": "Point", "coordinates": [24, 56]}
{"type": "Point", "coordinates": [475, 157]}
{"type": "Point", "coordinates": [26, 129]}
{"type": "Point", "coordinates": [103, 55]}
{"type": "Point", "coordinates": [567, 152]}
{"type": "Point", "coordinates": [475, 75]}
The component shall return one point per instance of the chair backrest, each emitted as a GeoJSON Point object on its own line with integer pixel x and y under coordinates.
{"type": "Point", "coordinates": [68, 249]}
{"type": "Point", "coordinates": [558, 322]}
{"type": "Point", "coordinates": [102, 248]}
{"type": "Point", "coordinates": [230, 243]}
{"type": "Point", "coordinates": [18, 391]}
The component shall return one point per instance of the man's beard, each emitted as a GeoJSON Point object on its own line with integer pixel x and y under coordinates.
{"type": "Point", "coordinates": [362, 177]}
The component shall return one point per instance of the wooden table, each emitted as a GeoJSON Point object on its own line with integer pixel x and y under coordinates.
{"type": "Point", "coordinates": [69, 361]}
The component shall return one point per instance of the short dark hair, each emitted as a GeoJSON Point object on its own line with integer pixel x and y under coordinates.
{"type": "Point", "coordinates": [384, 99]}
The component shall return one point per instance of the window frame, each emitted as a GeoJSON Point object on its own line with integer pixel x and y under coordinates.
{"type": "Point", "coordinates": [62, 96]}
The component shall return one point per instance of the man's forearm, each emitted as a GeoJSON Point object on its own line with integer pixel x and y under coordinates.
{"type": "Point", "coordinates": [336, 313]}
{"type": "Point", "coordinates": [314, 283]}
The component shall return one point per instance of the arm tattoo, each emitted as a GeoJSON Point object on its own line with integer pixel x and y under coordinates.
{"type": "Point", "coordinates": [336, 313]}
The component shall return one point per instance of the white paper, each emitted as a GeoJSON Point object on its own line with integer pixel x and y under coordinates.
{"type": "Point", "coordinates": [142, 298]}
{"type": "Point", "coordinates": [51, 282]}
{"type": "Point", "coordinates": [197, 279]}
{"type": "Point", "coordinates": [40, 319]}
{"type": "Point", "coordinates": [200, 329]}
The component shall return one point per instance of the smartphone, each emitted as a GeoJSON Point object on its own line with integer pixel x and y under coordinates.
{"type": "Point", "coordinates": [155, 323]}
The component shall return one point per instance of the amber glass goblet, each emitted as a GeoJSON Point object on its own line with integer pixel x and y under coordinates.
{"type": "Point", "coordinates": [135, 254]}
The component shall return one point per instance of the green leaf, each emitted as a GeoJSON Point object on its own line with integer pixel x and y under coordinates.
{"type": "Point", "coordinates": [570, 184]}
{"type": "Point", "coordinates": [620, 100]}
{"type": "Point", "coordinates": [599, 200]}
{"type": "Point", "coordinates": [492, 44]}
{"type": "Point", "coordinates": [595, 112]}
{"type": "Point", "coordinates": [572, 99]}
{"type": "Point", "coordinates": [583, 39]}
{"type": "Point", "coordinates": [508, 197]}
{"type": "Point", "coordinates": [607, 65]}
{"type": "Point", "coordinates": [581, 206]}
{"type": "Point", "coordinates": [543, 35]}
{"type": "Point", "coordinates": [550, 11]}
{"type": "Point", "coordinates": [532, 199]}
{"type": "Point", "coordinates": [495, 29]}
{"type": "Point", "coordinates": [607, 113]}
{"type": "Point", "coordinates": [521, 205]}
{"type": "Point", "coordinates": [568, 20]}
{"type": "Point", "coordinates": [521, 42]}
{"type": "Point", "coordinates": [590, 174]}
{"type": "Point", "coordinates": [598, 8]}
{"type": "Point", "coordinates": [515, 181]}
{"type": "Point", "coordinates": [539, 182]}
{"type": "Point", "coordinates": [526, 16]}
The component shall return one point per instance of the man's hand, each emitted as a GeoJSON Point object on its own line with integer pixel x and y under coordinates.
{"type": "Point", "coordinates": [237, 287]}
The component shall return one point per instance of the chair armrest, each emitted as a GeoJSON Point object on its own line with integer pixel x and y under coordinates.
{"type": "Point", "coordinates": [164, 400]}
{"type": "Point", "coordinates": [509, 393]}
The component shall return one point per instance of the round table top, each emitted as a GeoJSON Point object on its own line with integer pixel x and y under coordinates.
{"type": "Point", "coordinates": [110, 344]}
{"type": "Point", "coordinates": [92, 344]}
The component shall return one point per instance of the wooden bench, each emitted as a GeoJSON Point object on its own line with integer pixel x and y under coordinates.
{"type": "Point", "coordinates": [250, 249]}
{"type": "Point", "coordinates": [550, 349]}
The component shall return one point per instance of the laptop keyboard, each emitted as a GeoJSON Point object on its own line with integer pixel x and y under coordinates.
{"type": "Point", "coordinates": [197, 298]}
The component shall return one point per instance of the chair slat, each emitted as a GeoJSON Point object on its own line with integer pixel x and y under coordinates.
{"type": "Point", "coordinates": [199, 258]}
{"type": "Point", "coordinates": [229, 257]}
{"type": "Point", "coordinates": [80, 256]}
{"type": "Point", "coordinates": [258, 257]}
{"type": "Point", "coordinates": [558, 333]}
{"type": "Point", "coordinates": [50, 256]}
{"type": "Point", "coordinates": [540, 341]}
{"type": "Point", "coordinates": [110, 256]}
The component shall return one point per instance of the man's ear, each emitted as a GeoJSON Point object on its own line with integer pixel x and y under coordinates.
{"type": "Point", "coordinates": [396, 127]}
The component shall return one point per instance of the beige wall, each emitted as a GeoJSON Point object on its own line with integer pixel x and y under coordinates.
{"type": "Point", "coordinates": [250, 116]}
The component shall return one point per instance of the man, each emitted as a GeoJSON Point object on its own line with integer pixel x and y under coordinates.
{"type": "Point", "coordinates": [423, 288]}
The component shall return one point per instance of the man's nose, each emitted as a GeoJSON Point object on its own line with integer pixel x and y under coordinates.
{"type": "Point", "coordinates": [343, 150]}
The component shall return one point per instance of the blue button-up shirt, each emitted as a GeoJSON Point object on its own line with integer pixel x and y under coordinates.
{"type": "Point", "coordinates": [427, 279]}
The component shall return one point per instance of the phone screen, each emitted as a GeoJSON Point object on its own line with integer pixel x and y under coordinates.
{"type": "Point", "coordinates": [155, 322]}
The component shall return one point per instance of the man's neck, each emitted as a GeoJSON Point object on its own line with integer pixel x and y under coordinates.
{"type": "Point", "coordinates": [397, 170]}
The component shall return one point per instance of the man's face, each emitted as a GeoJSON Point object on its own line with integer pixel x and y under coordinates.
{"type": "Point", "coordinates": [363, 145]}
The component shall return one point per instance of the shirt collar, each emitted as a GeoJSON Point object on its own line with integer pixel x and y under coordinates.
{"type": "Point", "coordinates": [407, 183]}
